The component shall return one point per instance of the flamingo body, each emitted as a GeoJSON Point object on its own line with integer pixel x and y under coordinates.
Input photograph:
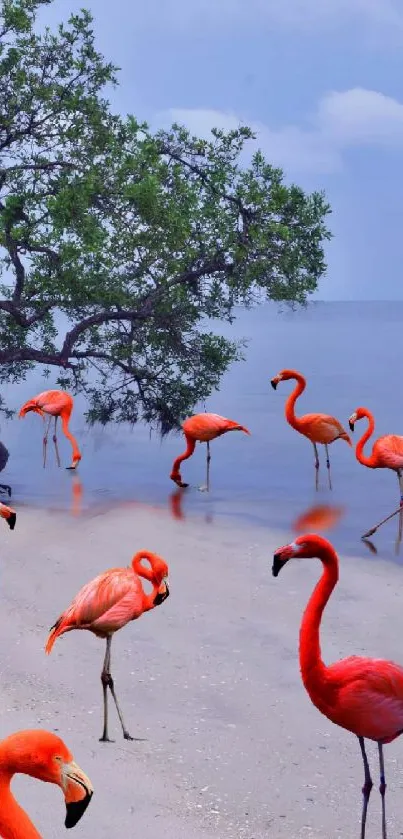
{"type": "Point", "coordinates": [54, 403]}
{"type": "Point", "coordinates": [42, 755]}
{"type": "Point", "coordinates": [109, 602]}
{"type": "Point", "coordinates": [362, 695]}
{"type": "Point", "coordinates": [202, 428]}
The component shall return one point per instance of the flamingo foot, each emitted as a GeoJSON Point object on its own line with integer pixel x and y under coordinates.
{"type": "Point", "coordinates": [105, 739]}
{"type": "Point", "coordinates": [203, 488]}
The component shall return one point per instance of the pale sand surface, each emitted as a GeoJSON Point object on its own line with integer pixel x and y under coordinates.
{"type": "Point", "coordinates": [234, 748]}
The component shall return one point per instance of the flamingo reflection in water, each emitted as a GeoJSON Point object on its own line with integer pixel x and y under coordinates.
{"type": "Point", "coordinates": [318, 517]}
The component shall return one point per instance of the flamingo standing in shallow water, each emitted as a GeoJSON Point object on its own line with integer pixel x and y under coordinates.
{"type": "Point", "coordinates": [108, 603]}
{"type": "Point", "coordinates": [202, 428]}
{"type": "Point", "coordinates": [319, 428]}
{"type": "Point", "coordinates": [387, 453]}
{"type": "Point", "coordinates": [41, 755]}
{"type": "Point", "coordinates": [55, 403]}
{"type": "Point", "coordinates": [362, 695]}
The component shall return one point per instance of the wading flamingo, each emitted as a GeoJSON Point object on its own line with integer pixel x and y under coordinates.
{"type": "Point", "coordinates": [319, 428]}
{"type": "Point", "coordinates": [55, 403]}
{"type": "Point", "coordinates": [41, 755]}
{"type": "Point", "coordinates": [9, 515]}
{"type": "Point", "coordinates": [202, 428]}
{"type": "Point", "coordinates": [362, 695]}
{"type": "Point", "coordinates": [108, 603]}
{"type": "Point", "coordinates": [387, 453]}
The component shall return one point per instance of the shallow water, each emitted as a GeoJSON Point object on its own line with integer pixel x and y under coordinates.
{"type": "Point", "coordinates": [348, 353]}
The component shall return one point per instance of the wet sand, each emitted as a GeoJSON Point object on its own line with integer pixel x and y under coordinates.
{"type": "Point", "coordinates": [233, 746]}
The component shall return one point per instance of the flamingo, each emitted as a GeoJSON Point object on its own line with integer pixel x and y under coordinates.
{"type": "Point", "coordinates": [9, 515]}
{"type": "Point", "coordinates": [202, 428]}
{"type": "Point", "coordinates": [109, 602]}
{"type": "Point", "coordinates": [319, 428]}
{"type": "Point", "coordinates": [55, 403]}
{"type": "Point", "coordinates": [41, 755]}
{"type": "Point", "coordinates": [387, 453]}
{"type": "Point", "coordinates": [362, 695]}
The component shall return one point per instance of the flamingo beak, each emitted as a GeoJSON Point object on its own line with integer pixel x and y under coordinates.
{"type": "Point", "coordinates": [274, 383]}
{"type": "Point", "coordinates": [351, 425]}
{"type": "Point", "coordinates": [163, 592]}
{"type": "Point", "coordinates": [78, 793]}
{"type": "Point", "coordinates": [282, 556]}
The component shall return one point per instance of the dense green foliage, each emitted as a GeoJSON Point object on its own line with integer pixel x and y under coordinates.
{"type": "Point", "coordinates": [117, 245]}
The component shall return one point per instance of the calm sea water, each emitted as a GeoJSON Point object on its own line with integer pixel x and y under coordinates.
{"type": "Point", "coordinates": [349, 354]}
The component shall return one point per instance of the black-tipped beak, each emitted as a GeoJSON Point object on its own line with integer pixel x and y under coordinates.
{"type": "Point", "coordinates": [12, 520]}
{"type": "Point", "coordinates": [161, 596]}
{"type": "Point", "coordinates": [351, 425]}
{"type": "Point", "coordinates": [278, 564]}
{"type": "Point", "coordinates": [76, 809]}
{"type": "Point", "coordinates": [273, 383]}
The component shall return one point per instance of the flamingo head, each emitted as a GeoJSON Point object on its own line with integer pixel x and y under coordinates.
{"type": "Point", "coordinates": [306, 546]}
{"type": "Point", "coordinates": [74, 462]}
{"type": "Point", "coordinates": [282, 376]}
{"type": "Point", "coordinates": [358, 414]}
{"type": "Point", "coordinates": [46, 757]}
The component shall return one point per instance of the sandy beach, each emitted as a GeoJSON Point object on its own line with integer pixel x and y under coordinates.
{"type": "Point", "coordinates": [233, 746]}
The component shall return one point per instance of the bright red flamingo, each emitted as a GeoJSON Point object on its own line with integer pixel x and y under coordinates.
{"type": "Point", "coordinates": [54, 403]}
{"type": "Point", "coordinates": [42, 755]}
{"type": "Point", "coordinates": [362, 695]}
{"type": "Point", "coordinates": [202, 428]}
{"type": "Point", "coordinates": [318, 428]}
{"type": "Point", "coordinates": [387, 453]}
{"type": "Point", "coordinates": [109, 602]}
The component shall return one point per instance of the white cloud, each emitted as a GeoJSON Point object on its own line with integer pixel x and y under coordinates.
{"type": "Point", "coordinates": [343, 120]}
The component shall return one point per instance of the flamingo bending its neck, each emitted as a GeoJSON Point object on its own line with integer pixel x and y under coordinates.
{"type": "Point", "coordinates": [44, 756]}
{"type": "Point", "coordinates": [55, 403]}
{"type": "Point", "coordinates": [362, 695]}
{"type": "Point", "coordinates": [387, 453]}
{"type": "Point", "coordinates": [202, 428]}
{"type": "Point", "coordinates": [109, 602]}
{"type": "Point", "coordinates": [318, 428]}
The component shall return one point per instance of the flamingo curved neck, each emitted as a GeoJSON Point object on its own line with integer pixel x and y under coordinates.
{"type": "Point", "coordinates": [190, 447]}
{"type": "Point", "coordinates": [68, 434]}
{"type": "Point", "coordinates": [291, 418]}
{"type": "Point", "coordinates": [147, 574]}
{"type": "Point", "coordinates": [313, 670]}
{"type": "Point", "coordinates": [14, 822]}
{"type": "Point", "coordinates": [359, 451]}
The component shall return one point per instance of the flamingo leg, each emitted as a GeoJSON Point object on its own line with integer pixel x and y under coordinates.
{"type": "Point", "coordinates": [328, 466]}
{"type": "Point", "coordinates": [107, 682]}
{"type": "Point", "coordinates": [382, 788]}
{"type": "Point", "coordinates": [45, 438]}
{"type": "Point", "coordinates": [316, 466]}
{"type": "Point", "coordinates": [380, 523]}
{"type": "Point", "coordinates": [206, 488]}
{"type": "Point", "coordinates": [366, 790]}
{"type": "Point", "coordinates": [55, 442]}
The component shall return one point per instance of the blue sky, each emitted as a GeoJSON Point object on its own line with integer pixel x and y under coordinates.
{"type": "Point", "coordinates": [320, 81]}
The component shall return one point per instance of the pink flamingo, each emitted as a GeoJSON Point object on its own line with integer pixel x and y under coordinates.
{"type": "Point", "coordinates": [109, 602]}
{"type": "Point", "coordinates": [202, 428]}
{"type": "Point", "coordinates": [387, 453]}
{"type": "Point", "coordinates": [55, 403]}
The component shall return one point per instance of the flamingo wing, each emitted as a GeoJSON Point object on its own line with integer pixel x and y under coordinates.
{"type": "Point", "coordinates": [321, 428]}
{"type": "Point", "coordinates": [105, 604]}
{"type": "Point", "coordinates": [369, 697]}
{"type": "Point", "coordinates": [389, 450]}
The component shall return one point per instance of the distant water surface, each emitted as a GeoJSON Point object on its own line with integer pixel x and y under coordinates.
{"type": "Point", "coordinates": [349, 353]}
